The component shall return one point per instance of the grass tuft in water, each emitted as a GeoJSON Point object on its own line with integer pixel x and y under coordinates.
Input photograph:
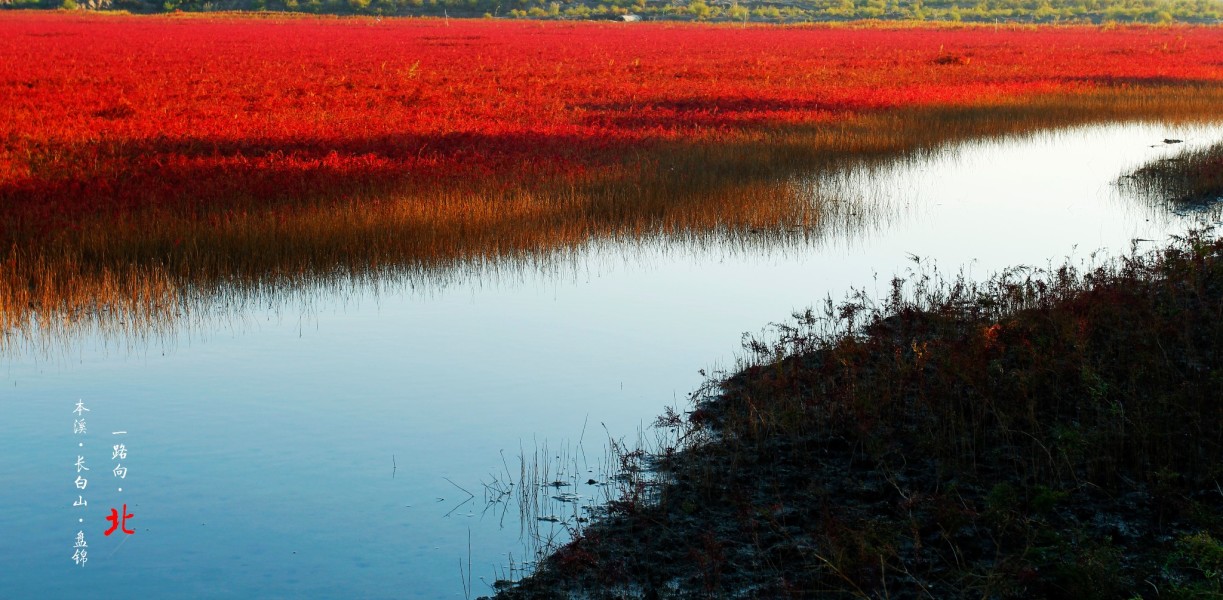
{"type": "Point", "coordinates": [1190, 179]}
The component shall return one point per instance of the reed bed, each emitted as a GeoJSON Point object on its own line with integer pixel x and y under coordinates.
{"type": "Point", "coordinates": [1051, 434]}
{"type": "Point", "coordinates": [1189, 180]}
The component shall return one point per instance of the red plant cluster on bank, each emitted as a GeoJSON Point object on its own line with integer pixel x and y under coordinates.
{"type": "Point", "coordinates": [100, 114]}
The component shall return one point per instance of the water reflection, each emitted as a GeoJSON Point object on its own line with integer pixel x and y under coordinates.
{"type": "Point", "coordinates": [335, 437]}
{"type": "Point", "coordinates": [157, 308]}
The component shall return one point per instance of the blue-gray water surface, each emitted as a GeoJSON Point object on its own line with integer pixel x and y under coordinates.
{"type": "Point", "coordinates": [326, 446]}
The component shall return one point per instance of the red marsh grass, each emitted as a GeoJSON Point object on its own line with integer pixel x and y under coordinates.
{"type": "Point", "coordinates": [256, 151]}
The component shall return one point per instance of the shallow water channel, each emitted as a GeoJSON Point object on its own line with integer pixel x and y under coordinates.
{"type": "Point", "coordinates": [326, 448]}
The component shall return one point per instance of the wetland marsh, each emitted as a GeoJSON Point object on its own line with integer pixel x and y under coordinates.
{"type": "Point", "coordinates": [341, 282]}
{"type": "Point", "coordinates": [324, 434]}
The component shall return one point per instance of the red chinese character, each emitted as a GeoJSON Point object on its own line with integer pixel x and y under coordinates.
{"type": "Point", "coordinates": [115, 521]}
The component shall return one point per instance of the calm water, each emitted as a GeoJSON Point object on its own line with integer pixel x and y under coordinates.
{"type": "Point", "coordinates": [319, 452]}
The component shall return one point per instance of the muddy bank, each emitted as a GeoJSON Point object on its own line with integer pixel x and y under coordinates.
{"type": "Point", "coordinates": [1052, 435]}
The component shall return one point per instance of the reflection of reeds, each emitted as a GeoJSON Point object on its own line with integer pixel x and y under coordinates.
{"type": "Point", "coordinates": [544, 499]}
{"type": "Point", "coordinates": [559, 490]}
{"type": "Point", "coordinates": [134, 272]}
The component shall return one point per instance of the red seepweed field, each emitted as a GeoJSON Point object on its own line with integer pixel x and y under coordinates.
{"type": "Point", "coordinates": [113, 113]}
{"type": "Point", "coordinates": [141, 155]}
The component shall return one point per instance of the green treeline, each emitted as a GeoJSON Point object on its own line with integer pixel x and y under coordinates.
{"type": "Point", "coordinates": [789, 11]}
